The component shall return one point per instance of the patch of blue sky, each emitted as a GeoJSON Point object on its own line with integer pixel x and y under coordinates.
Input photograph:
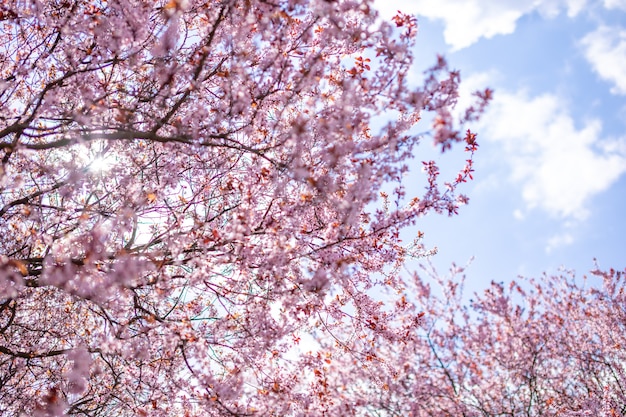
{"type": "Point", "coordinates": [550, 184]}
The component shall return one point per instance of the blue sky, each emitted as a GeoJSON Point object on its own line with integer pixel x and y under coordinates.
{"type": "Point", "coordinates": [550, 183]}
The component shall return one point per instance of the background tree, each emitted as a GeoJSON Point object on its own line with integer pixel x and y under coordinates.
{"type": "Point", "coordinates": [189, 188]}
{"type": "Point", "coordinates": [547, 347]}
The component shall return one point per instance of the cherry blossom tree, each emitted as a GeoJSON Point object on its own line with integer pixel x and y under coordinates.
{"type": "Point", "coordinates": [201, 204]}
{"type": "Point", "coordinates": [552, 346]}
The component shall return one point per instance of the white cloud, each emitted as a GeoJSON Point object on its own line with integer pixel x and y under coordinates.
{"type": "Point", "coordinates": [558, 163]}
{"type": "Point", "coordinates": [605, 49]}
{"type": "Point", "coordinates": [558, 241]}
{"type": "Point", "coordinates": [466, 21]}
{"type": "Point", "coordinates": [615, 4]}
{"type": "Point", "coordinates": [518, 214]}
